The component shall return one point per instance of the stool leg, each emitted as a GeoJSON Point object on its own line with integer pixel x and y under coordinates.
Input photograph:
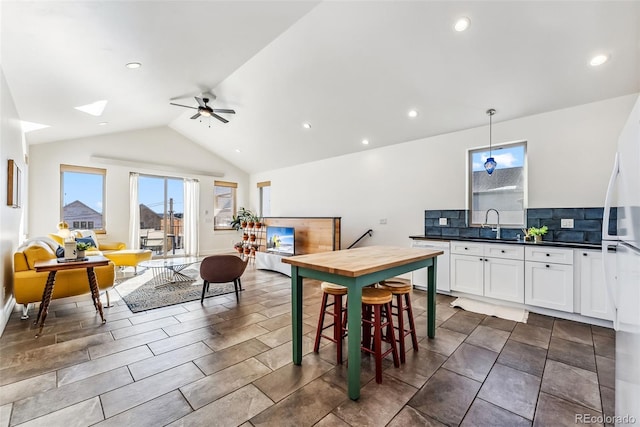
{"type": "Point", "coordinates": [414, 337]}
{"type": "Point", "coordinates": [394, 348]}
{"type": "Point", "coordinates": [401, 331]}
{"type": "Point", "coordinates": [323, 307]}
{"type": "Point", "coordinates": [377, 341]}
{"type": "Point", "coordinates": [366, 326]}
{"type": "Point", "coordinates": [337, 327]}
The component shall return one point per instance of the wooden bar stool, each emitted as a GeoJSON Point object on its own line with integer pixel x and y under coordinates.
{"type": "Point", "coordinates": [401, 289]}
{"type": "Point", "coordinates": [339, 314]}
{"type": "Point", "coordinates": [376, 304]}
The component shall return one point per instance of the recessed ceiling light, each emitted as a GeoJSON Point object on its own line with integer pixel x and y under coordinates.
{"type": "Point", "coordinates": [95, 109]}
{"type": "Point", "coordinates": [462, 24]}
{"type": "Point", "coordinates": [306, 125]}
{"type": "Point", "coordinates": [103, 123]}
{"type": "Point", "coordinates": [598, 60]}
{"type": "Point", "coordinates": [365, 141]}
{"type": "Point", "coordinates": [413, 113]}
{"type": "Point", "coordinates": [31, 126]}
{"type": "Point", "coordinates": [133, 65]}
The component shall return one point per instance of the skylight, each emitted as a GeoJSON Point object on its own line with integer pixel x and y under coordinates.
{"type": "Point", "coordinates": [29, 126]}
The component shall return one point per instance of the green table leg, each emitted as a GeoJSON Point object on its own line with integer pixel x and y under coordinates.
{"type": "Point", "coordinates": [296, 314]}
{"type": "Point", "coordinates": [354, 315]}
{"type": "Point", "coordinates": [431, 298]}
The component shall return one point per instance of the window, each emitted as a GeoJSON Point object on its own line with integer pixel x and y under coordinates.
{"type": "Point", "coordinates": [224, 204]}
{"type": "Point", "coordinates": [264, 188]}
{"type": "Point", "coordinates": [505, 190]}
{"type": "Point", "coordinates": [82, 196]}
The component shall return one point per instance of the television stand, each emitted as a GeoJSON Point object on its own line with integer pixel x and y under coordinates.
{"type": "Point", "coordinates": [268, 261]}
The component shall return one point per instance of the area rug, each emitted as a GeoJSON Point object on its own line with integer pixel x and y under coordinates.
{"type": "Point", "coordinates": [140, 293]}
{"type": "Point", "coordinates": [509, 313]}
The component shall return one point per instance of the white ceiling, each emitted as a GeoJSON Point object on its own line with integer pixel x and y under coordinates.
{"type": "Point", "coordinates": [352, 69]}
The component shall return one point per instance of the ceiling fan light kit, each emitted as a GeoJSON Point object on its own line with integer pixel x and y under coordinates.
{"type": "Point", "coordinates": [205, 110]}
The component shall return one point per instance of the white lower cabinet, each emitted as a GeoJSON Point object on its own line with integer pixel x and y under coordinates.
{"type": "Point", "coordinates": [594, 298]}
{"type": "Point", "coordinates": [491, 270]}
{"type": "Point", "coordinates": [549, 278]}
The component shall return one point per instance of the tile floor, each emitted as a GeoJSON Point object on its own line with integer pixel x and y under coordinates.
{"type": "Point", "coordinates": [229, 364]}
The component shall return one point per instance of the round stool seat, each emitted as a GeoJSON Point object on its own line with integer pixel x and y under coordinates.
{"type": "Point", "coordinates": [376, 296]}
{"type": "Point", "coordinates": [396, 286]}
{"type": "Point", "coordinates": [333, 289]}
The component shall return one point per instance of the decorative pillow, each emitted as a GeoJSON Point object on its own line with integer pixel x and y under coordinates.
{"type": "Point", "coordinates": [89, 241]}
{"type": "Point", "coordinates": [89, 233]}
{"type": "Point", "coordinates": [38, 251]}
{"type": "Point", "coordinates": [60, 252]}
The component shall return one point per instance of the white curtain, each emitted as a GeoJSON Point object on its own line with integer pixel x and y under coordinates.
{"type": "Point", "coordinates": [134, 212]}
{"type": "Point", "coordinates": [191, 209]}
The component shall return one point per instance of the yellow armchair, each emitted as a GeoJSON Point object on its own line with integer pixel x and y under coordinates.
{"type": "Point", "coordinates": [29, 285]}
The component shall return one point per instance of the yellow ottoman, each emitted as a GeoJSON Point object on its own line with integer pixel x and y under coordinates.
{"type": "Point", "coordinates": [129, 257]}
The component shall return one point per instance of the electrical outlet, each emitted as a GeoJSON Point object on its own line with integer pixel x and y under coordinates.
{"type": "Point", "coordinates": [383, 221]}
{"type": "Point", "coordinates": [566, 223]}
{"type": "Point", "coordinates": [443, 221]}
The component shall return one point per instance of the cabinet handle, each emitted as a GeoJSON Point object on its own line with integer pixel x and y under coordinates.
{"type": "Point", "coordinates": [466, 249]}
{"type": "Point", "coordinates": [548, 266]}
{"type": "Point", "coordinates": [548, 255]}
{"type": "Point", "coordinates": [584, 254]}
{"type": "Point", "coordinates": [486, 260]}
{"type": "Point", "coordinates": [481, 259]}
{"type": "Point", "coordinates": [502, 251]}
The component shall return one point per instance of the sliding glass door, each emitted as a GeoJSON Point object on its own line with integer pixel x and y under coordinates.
{"type": "Point", "coordinates": [161, 201]}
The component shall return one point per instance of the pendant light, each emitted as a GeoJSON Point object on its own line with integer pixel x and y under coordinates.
{"type": "Point", "coordinates": [490, 164]}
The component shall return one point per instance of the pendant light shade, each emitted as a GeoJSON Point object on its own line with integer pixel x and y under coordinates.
{"type": "Point", "coordinates": [490, 164]}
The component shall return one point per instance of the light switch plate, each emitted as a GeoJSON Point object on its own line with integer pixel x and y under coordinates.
{"type": "Point", "coordinates": [443, 221]}
{"type": "Point", "coordinates": [566, 223]}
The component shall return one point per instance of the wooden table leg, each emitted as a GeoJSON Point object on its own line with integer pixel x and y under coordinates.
{"type": "Point", "coordinates": [296, 314]}
{"type": "Point", "coordinates": [95, 292]}
{"type": "Point", "coordinates": [46, 299]}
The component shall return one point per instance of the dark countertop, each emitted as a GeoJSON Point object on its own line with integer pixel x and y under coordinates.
{"type": "Point", "coordinates": [568, 245]}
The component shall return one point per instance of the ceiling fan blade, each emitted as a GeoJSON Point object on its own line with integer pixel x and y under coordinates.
{"type": "Point", "coordinates": [222, 119]}
{"type": "Point", "coordinates": [180, 105]}
{"type": "Point", "coordinates": [223, 110]}
{"type": "Point", "coordinates": [196, 115]}
{"type": "Point", "coordinates": [200, 102]}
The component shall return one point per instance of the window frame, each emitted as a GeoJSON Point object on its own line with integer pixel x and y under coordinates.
{"type": "Point", "coordinates": [495, 148]}
{"type": "Point", "coordinates": [86, 170]}
{"type": "Point", "coordinates": [261, 189]}
{"type": "Point", "coordinates": [234, 196]}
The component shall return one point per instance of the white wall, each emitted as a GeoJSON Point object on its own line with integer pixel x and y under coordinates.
{"type": "Point", "coordinates": [12, 221]}
{"type": "Point", "coordinates": [160, 151]}
{"type": "Point", "coordinates": [570, 155]}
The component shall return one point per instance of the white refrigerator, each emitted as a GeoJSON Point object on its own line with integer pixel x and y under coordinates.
{"type": "Point", "coordinates": [621, 256]}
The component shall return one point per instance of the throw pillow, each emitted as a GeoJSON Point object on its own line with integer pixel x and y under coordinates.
{"type": "Point", "coordinates": [38, 251]}
{"type": "Point", "coordinates": [60, 252]}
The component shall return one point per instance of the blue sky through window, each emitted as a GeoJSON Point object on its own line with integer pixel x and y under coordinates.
{"type": "Point", "coordinates": [507, 157]}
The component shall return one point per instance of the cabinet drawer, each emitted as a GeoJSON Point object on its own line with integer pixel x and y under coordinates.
{"type": "Point", "coordinates": [551, 255]}
{"type": "Point", "coordinates": [504, 251]}
{"type": "Point", "coordinates": [467, 248]}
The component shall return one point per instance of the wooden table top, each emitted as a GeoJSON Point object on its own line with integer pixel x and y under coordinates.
{"type": "Point", "coordinates": [54, 265]}
{"type": "Point", "coordinates": [360, 261]}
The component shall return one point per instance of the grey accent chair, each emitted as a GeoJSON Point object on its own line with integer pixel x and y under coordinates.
{"type": "Point", "coordinates": [222, 269]}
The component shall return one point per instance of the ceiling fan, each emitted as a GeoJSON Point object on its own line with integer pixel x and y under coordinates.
{"type": "Point", "coordinates": [207, 111]}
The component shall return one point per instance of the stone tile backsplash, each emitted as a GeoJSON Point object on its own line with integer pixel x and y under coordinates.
{"type": "Point", "coordinates": [587, 224]}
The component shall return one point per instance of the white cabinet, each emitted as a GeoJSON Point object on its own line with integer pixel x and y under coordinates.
{"type": "Point", "coordinates": [491, 270]}
{"type": "Point", "coordinates": [549, 278]}
{"type": "Point", "coordinates": [589, 276]}
{"type": "Point", "coordinates": [419, 277]}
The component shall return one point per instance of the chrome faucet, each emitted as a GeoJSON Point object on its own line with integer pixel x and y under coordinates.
{"type": "Point", "coordinates": [486, 216]}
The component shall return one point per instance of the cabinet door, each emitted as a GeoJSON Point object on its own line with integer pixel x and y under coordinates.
{"type": "Point", "coordinates": [467, 274]}
{"type": "Point", "coordinates": [549, 285]}
{"type": "Point", "coordinates": [594, 298]}
{"type": "Point", "coordinates": [504, 279]}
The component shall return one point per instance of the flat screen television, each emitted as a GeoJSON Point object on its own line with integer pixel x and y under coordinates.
{"type": "Point", "coordinates": [281, 240]}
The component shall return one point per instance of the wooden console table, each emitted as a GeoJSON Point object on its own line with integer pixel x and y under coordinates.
{"type": "Point", "coordinates": [355, 269]}
{"type": "Point", "coordinates": [53, 266]}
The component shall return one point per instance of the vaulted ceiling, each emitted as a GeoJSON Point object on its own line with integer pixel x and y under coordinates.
{"type": "Point", "coordinates": [350, 69]}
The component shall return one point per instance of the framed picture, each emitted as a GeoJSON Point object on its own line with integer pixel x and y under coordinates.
{"type": "Point", "coordinates": [13, 184]}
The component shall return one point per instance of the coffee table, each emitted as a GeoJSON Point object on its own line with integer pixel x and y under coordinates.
{"type": "Point", "coordinates": [168, 270]}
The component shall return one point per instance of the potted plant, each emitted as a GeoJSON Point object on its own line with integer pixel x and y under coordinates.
{"type": "Point", "coordinates": [238, 247]}
{"type": "Point", "coordinates": [242, 218]}
{"type": "Point", "coordinates": [536, 232]}
{"type": "Point", "coordinates": [81, 247]}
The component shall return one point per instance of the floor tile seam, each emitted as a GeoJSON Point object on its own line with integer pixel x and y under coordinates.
{"type": "Point", "coordinates": [573, 363]}
{"type": "Point", "coordinates": [57, 410]}
{"type": "Point", "coordinates": [592, 345]}
{"type": "Point", "coordinates": [120, 351]}
{"type": "Point", "coordinates": [511, 412]}
{"type": "Point", "coordinates": [570, 401]}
